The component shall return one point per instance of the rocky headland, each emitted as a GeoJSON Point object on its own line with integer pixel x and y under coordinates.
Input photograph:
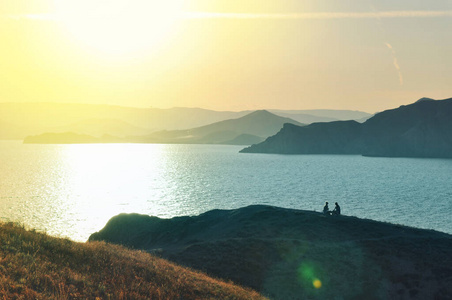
{"type": "Point", "coordinates": [421, 129]}
{"type": "Point", "coordinates": [297, 254]}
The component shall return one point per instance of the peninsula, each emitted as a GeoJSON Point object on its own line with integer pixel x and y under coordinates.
{"type": "Point", "coordinates": [297, 254]}
{"type": "Point", "coordinates": [421, 129]}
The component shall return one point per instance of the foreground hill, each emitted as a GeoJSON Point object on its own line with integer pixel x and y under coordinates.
{"type": "Point", "coordinates": [36, 266]}
{"type": "Point", "coordinates": [295, 254]}
{"type": "Point", "coordinates": [422, 129]}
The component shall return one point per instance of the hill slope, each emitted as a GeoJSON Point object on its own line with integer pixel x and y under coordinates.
{"type": "Point", "coordinates": [422, 129]}
{"type": "Point", "coordinates": [249, 129]}
{"type": "Point", "coordinates": [18, 120]}
{"type": "Point", "coordinates": [36, 118]}
{"type": "Point", "coordinates": [60, 138]}
{"type": "Point", "coordinates": [101, 127]}
{"type": "Point", "coordinates": [36, 266]}
{"type": "Point", "coordinates": [294, 254]}
{"type": "Point", "coordinates": [322, 115]}
{"type": "Point", "coordinates": [256, 124]}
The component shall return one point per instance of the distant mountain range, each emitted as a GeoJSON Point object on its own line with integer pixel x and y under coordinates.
{"type": "Point", "coordinates": [421, 129]}
{"type": "Point", "coordinates": [254, 127]}
{"type": "Point", "coordinates": [246, 130]}
{"type": "Point", "coordinates": [101, 127]}
{"type": "Point", "coordinates": [18, 120]}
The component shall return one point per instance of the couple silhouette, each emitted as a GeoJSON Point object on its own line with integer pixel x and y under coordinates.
{"type": "Point", "coordinates": [335, 212]}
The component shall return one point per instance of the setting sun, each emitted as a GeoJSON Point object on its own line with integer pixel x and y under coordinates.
{"type": "Point", "coordinates": [118, 27]}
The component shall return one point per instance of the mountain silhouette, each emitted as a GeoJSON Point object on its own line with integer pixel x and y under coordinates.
{"type": "Point", "coordinates": [60, 138]}
{"type": "Point", "coordinates": [100, 127]}
{"type": "Point", "coordinates": [245, 139]}
{"type": "Point", "coordinates": [421, 129]}
{"type": "Point", "coordinates": [424, 99]}
{"type": "Point", "coordinates": [322, 115]}
{"type": "Point", "coordinates": [18, 120]}
{"type": "Point", "coordinates": [250, 128]}
{"type": "Point", "coordinates": [23, 119]}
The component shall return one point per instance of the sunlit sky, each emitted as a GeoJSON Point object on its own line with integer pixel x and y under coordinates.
{"type": "Point", "coordinates": [364, 55]}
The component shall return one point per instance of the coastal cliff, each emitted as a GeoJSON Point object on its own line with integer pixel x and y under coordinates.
{"type": "Point", "coordinates": [296, 254]}
{"type": "Point", "coordinates": [421, 129]}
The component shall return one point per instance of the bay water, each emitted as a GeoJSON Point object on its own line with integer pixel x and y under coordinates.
{"type": "Point", "coordinates": [73, 190]}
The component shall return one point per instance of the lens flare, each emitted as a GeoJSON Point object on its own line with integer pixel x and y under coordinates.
{"type": "Point", "coordinates": [308, 276]}
{"type": "Point", "coordinates": [317, 283]}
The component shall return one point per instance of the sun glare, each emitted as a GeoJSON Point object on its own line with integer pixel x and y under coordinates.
{"type": "Point", "coordinates": [119, 27]}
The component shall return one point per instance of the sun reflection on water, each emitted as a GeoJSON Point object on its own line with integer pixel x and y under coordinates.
{"type": "Point", "coordinates": [104, 181]}
{"type": "Point", "coordinates": [73, 190]}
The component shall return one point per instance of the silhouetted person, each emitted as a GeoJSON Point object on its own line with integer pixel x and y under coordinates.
{"type": "Point", "coordinates": [337, 210]}
{"type": "Point", "coordinates": [326, 209]}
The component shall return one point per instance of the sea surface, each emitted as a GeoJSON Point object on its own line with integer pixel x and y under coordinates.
{"type": "Point", "coordinates": [73, 190]}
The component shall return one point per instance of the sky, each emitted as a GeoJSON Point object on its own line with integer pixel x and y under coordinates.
{"type": "Point", "coordinates": [366, 55]}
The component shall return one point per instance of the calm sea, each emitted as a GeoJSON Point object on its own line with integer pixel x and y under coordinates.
{"type": "Point", "coordinates": [73, 190]}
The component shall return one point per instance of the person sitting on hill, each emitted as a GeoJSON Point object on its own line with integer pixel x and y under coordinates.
{"type": "Point", "coordinates": [337, 210]}
{"type": "Point", "coordinates": [326, 209]}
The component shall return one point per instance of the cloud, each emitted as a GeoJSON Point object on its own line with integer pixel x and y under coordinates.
{"type": "Point", "coordinates": [286, 16]}
{"type": "Point", "coordinates": [395, 62]}
{"type": "Point", "coordinates": [321, 15]}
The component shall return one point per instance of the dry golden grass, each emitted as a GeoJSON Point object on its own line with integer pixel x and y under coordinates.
{"type": "Point", "coordinates": [37, 266]}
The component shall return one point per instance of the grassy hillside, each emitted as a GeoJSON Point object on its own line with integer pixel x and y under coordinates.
{"type": "Point", "coordinates": [36, 266]}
